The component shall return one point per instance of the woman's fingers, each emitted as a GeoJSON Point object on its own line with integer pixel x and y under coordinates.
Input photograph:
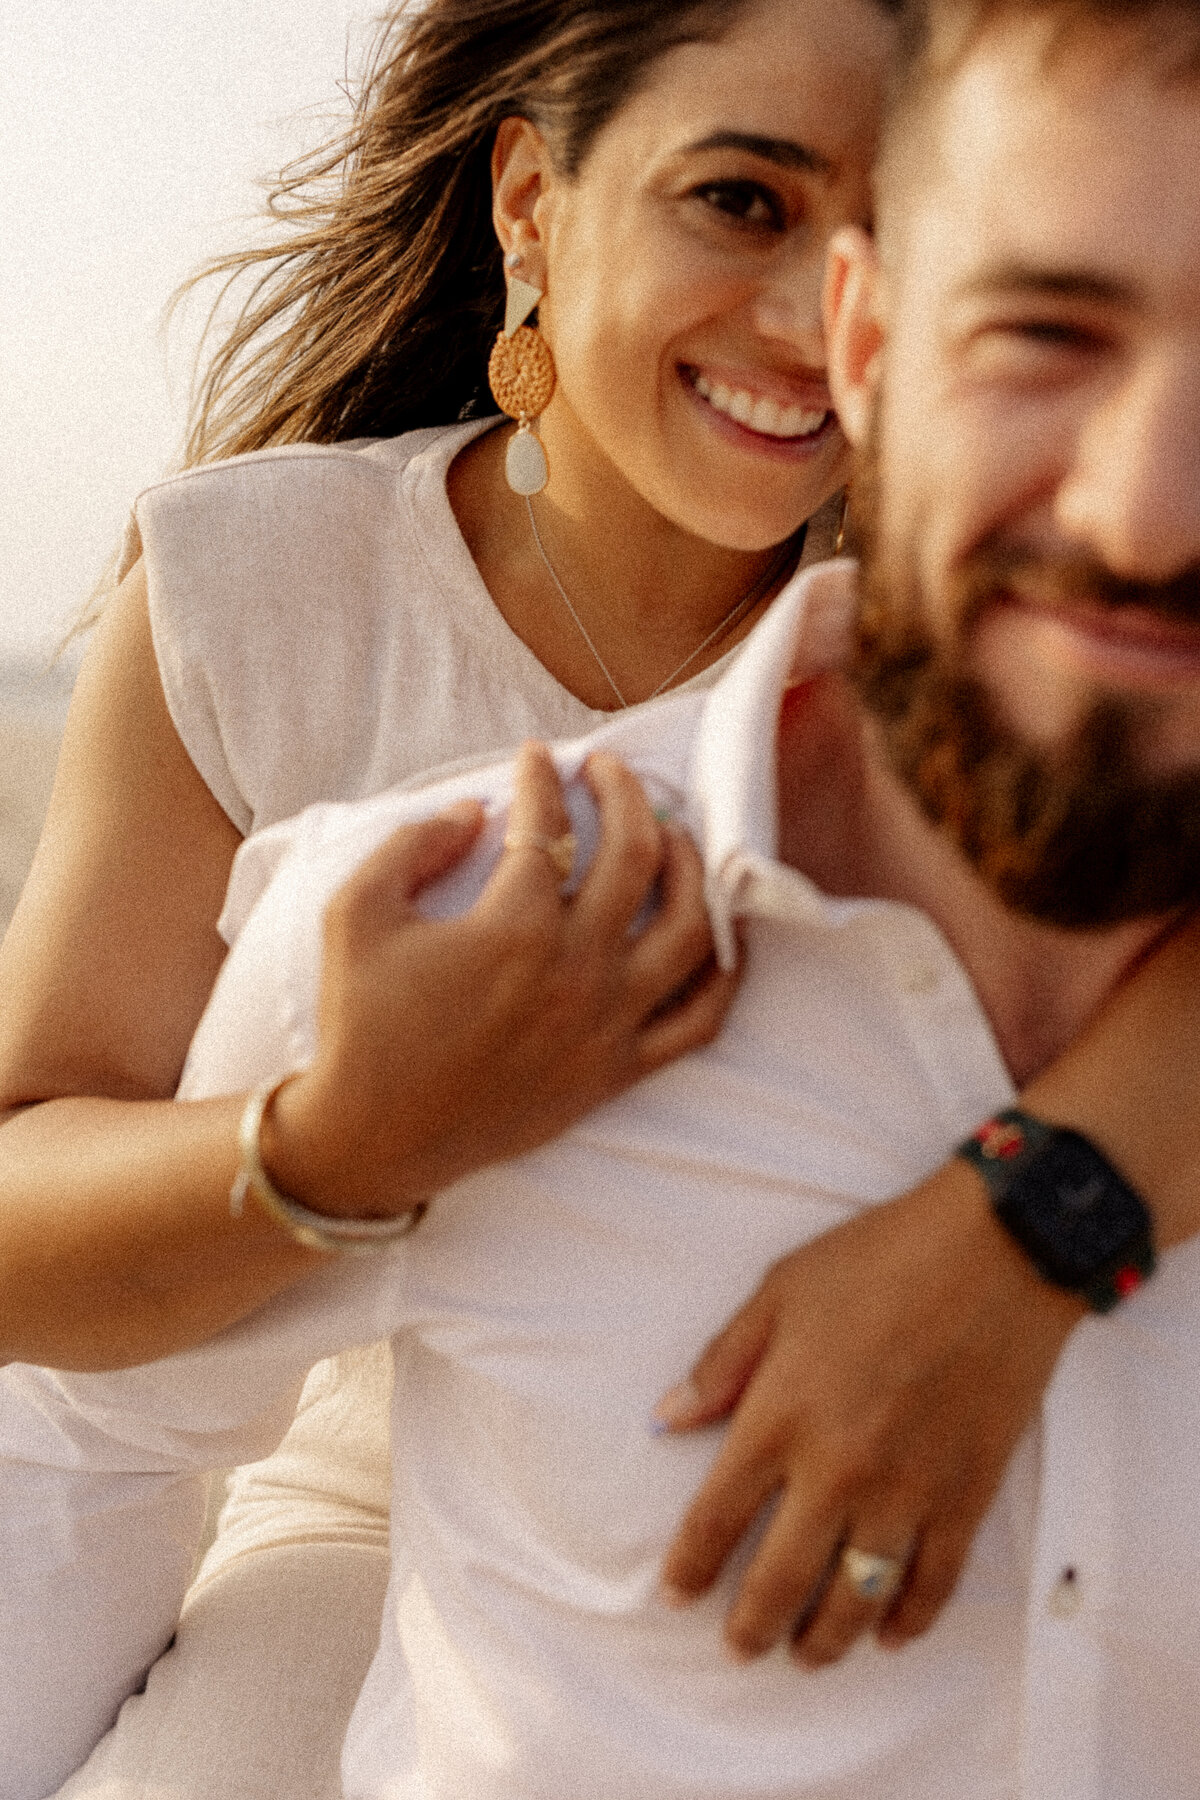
{"type": "Point", "coordinates": [790, 1573]}
{"type": "Point", "coordinates": [383, 888]}
{"type": "Point", "coordinates": [745, 1475]}
{"type": "Point", "coordinates": [677, 942]}
{"type": "Point", "coordinates": [538, 823]}
{"type": "Point", "coordinates": [933, 1574]}
{"type": "Point", "coordinates": [869, 1571]}
{"type": "Point", "coordinates": [687, 1025]}
{"type": "Point", "coordinates": [535, 1007]}
{"type": "Point", "coordinates": [628, 859]}
{"type": "Point", "coordinates": [906, 1351]}
{"type": "Point", "coordinates": [722, 1512]}
{"type": "Point", "coordinates": [718, 1377]}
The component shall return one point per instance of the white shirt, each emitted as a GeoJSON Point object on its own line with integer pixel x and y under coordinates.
{"type": "Point", "coordinates": [322, 633]}
{"type": "Point", "coordinates": [544, 1306]}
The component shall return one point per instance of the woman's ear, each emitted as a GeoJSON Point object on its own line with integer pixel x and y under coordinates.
{"type": "Point", "coordinates": [854, 328]}
{"type": "Point", "coordinates": [521, 169]}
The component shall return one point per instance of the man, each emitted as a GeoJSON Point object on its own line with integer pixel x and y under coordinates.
{"type": "Point", "coordinates": [1007, 745]}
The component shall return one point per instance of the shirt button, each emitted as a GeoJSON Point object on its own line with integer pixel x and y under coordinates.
{"type": "Point", "coordinates": [1066, 1596]}
{"type": "Point", "coordinates": [919, 978]}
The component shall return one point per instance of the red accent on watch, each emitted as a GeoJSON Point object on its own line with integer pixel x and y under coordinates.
{"type": "Point", "coordinates": [1127, 1281]}
{"type": "Point", "coordinates": [1000, 1140]}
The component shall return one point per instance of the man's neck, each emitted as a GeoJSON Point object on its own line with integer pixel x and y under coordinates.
{"type": "Point", "coordinates": [851, 826]}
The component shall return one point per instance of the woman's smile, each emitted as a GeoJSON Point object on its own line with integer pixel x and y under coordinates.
{"type": "Point", "coordinates": [762, 412]}
{"type": "Point", "coordinates": [683, 276]}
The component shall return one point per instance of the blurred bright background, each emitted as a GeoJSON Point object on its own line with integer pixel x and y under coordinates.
{"type": "Point", "coordinates": [133, 136]}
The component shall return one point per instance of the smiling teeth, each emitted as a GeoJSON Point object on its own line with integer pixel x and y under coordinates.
{"type": "Point", "coordinates": [762, 415]}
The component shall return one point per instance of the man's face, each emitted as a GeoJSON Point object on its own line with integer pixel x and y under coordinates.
{"type": "Point", "coordinates": [1029, 439]}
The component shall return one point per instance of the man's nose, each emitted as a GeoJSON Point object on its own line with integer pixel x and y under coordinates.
{"type": "Point", "coordinates": [787, 307]}
{"type": "Point", "coordinates": [1133, 491]}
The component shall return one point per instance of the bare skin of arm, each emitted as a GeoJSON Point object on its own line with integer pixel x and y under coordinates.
{"type": "Point", "coordinates": [118, 1245]}
{"type": "Point", "coordinates": [883, 1374]}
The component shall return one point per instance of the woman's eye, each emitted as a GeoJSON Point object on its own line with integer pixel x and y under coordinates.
{"type": "Point", "coordinates": [745, 202]}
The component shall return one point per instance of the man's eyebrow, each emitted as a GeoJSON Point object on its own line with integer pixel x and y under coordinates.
{"type": "Point", "coordinates": [1037, 281]}
{"type": "Point", "coordinates": [777, 150]}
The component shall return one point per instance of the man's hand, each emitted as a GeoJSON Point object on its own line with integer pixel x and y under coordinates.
{"type": "Point", "coordinates": [881, 1377]}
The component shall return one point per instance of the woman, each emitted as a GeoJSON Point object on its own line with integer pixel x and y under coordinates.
{"type": "Point", "coordinates": [316, 623]}
{"type": "Point", "coordinates": [177, 1770]}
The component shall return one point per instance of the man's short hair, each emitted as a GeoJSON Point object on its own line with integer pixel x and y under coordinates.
{"type": "Point", "coordinates": [936, 37]}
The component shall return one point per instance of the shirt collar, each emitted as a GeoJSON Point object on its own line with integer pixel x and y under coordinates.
{"type": "Point", "coordinates": [807, 630]}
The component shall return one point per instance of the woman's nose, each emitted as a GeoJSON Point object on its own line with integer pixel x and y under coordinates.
{"type": "Point", "coordinates": [787, 307]}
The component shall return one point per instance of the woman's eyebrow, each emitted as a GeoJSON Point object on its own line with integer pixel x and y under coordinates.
{"type": "Point", "coordinates": [777, 150]}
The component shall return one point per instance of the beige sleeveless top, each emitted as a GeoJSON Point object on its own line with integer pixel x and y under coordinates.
{"type": "Point", "coordinates": [321, 630]}
{"type": "Point", "coordinates": [322, 633]}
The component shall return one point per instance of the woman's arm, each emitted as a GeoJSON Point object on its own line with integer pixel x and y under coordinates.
{"type": "Point", "coordinates": [117, 1243]}
{"type": "Point", "coordinates": [103, 973]}
{"type": "Point", "coordinates": [883, 1373]}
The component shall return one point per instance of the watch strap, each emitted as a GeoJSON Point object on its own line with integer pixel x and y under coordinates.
{"type": "Point", "coordinates": [1009, 1146]}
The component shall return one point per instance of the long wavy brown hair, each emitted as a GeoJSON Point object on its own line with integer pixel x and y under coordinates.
{"type": "Point", "coordinates": [373, 309]}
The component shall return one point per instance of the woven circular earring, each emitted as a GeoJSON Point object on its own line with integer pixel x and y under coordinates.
{"type": "Point", "coordinates": [521, 377]}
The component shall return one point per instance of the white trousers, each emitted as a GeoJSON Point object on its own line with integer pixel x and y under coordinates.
{"type": "Point", "coordinates": [103, 1483]}
{"type": "Point", "coordinates": [253, 1699]}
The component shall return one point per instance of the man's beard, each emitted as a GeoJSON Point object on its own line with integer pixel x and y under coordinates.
{"type": "Point", "coordinates": [1077, 836]}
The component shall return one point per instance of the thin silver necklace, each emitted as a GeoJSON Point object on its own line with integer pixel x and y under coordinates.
{"type": "Point", "coordinates": [752, 594]}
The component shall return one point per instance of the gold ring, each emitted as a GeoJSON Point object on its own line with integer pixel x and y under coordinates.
{"type": "Point", "coordinates": [560, 850]}
{"type": "Point", "coordinates": [873, 1578]}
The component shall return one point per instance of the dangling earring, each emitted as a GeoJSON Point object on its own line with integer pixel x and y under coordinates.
{"type": "Point", "coordinates": [521, 377]}
{"type": "Point", "coordinates": [841, 534]}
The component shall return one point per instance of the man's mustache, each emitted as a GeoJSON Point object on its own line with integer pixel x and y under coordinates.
{"type": "Point", "coordinates": [1056, 580]}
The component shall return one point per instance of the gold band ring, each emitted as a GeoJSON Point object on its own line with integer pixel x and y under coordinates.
{"type": "Point", "coordinates": [560, 850]}
{"type": "Point", "coordinates": [873, 1578]}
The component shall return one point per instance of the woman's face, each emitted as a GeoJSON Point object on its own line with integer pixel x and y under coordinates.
{"type": "Point", "coordinates": [683, 269]}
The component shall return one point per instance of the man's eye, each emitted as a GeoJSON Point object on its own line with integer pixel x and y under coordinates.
{"type": "Point", "coordinates": [746, 202]}
{"type": "Point", "coordinates": [1051, 334]}
{"type": "Point", "coordinates": [1034, 349]}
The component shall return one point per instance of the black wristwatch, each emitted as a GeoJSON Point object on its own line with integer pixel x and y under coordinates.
{"type": "Point", "coordinates": [1079, 1221]}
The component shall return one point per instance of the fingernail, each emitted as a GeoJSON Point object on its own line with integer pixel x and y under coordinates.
{"type": "Point", "coordinates": [673, 1596]}
{"type": "Point", "coordinates": [676, 1408]}
{"type": "Point", "coordinates": [463, 812]}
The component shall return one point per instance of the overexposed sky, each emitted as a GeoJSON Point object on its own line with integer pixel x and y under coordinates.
{"type": "Point", "coordinates": [132, 133]}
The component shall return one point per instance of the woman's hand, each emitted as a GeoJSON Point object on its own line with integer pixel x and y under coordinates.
{"type": "Point", "coordinates": [882, 1376]}
{"type": "Point", "coordinates": [447, 1045]}
{"type": "Point", "coordinates": [883, 1373]}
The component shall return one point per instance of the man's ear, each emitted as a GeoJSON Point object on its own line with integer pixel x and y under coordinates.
{"type": "Point", "coordinates": [521, 168]}
{"type": "Point", "coordinates": [854, 330]}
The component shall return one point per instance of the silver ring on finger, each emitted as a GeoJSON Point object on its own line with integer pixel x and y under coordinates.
{"type": "Point", "coordinates": [875, 1579]}
{"type": "Point", "coordinates": [560, 850]}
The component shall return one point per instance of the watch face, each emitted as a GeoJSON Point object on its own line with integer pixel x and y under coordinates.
{"type": "Point", "coordinates": [1072, 1211]}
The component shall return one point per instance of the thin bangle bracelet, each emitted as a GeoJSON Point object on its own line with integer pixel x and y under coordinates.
{"type": "Point", "coordinates": [317, 1231]}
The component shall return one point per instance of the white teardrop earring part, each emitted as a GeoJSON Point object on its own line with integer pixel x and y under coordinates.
{"type": "Point", "coordinates": [525, 467]}
{"type": "Point", "coordinates": [522, 298]}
